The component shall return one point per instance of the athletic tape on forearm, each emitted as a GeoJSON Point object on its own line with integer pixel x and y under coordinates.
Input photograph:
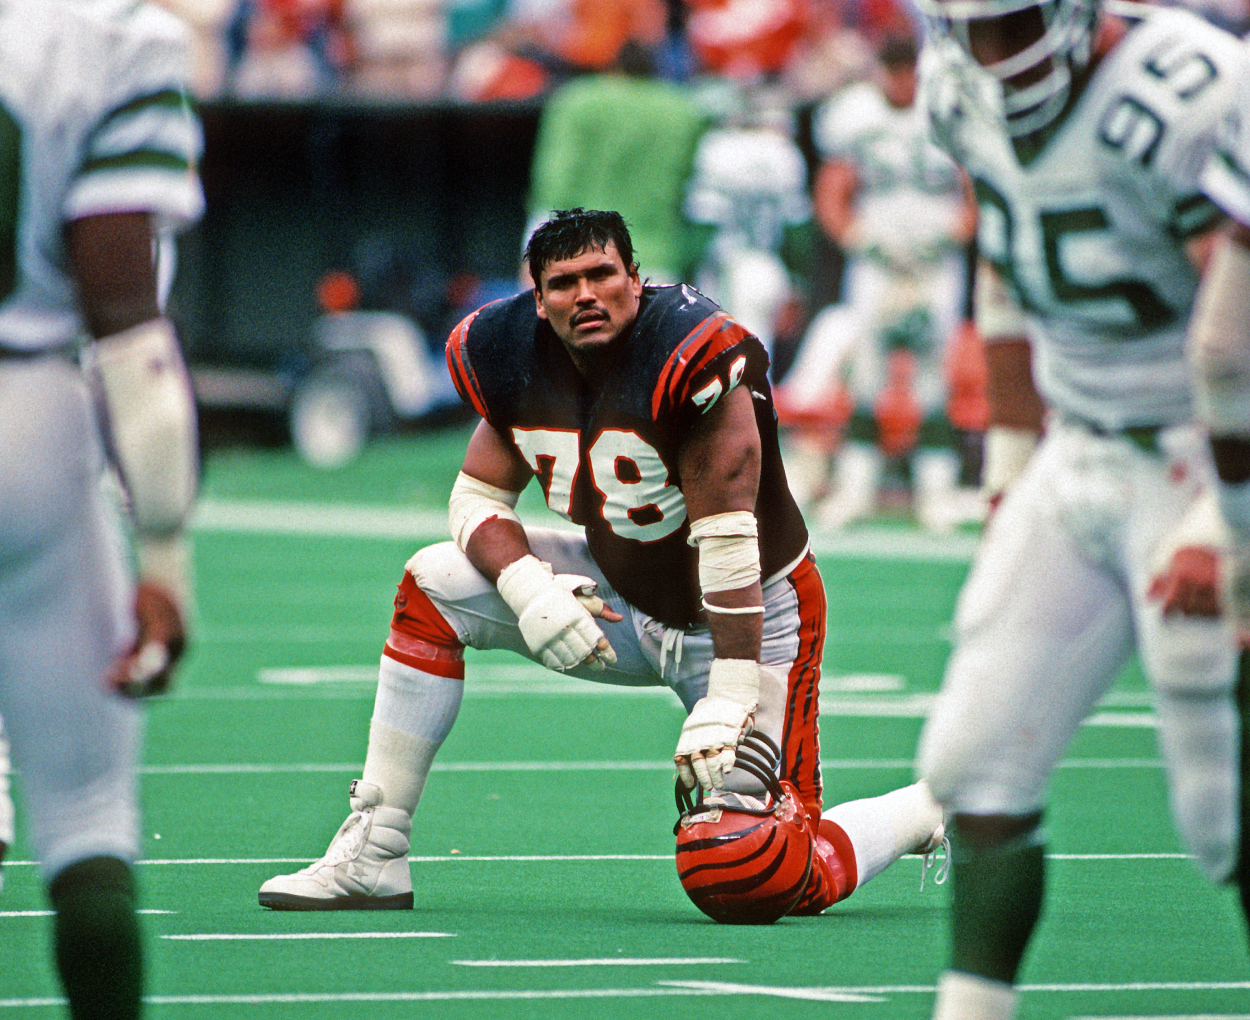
{"type": "Point", "coordinates": [151, 414]}
{"type": "Point", "coordinates": [1007, 451]}
{"type": "Point", "coordinates": [473, 502]}
{"type": "Point", "coordinates": [735, 679]}
{"type": "Point", "coordinates": [1219, 342]}
{"type": "Point", "coordinates": [729, 550]}
{"type": "Point", "coordinates": [997, 315]}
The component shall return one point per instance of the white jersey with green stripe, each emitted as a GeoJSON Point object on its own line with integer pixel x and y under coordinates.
{"type": "Point", "coordinates": [74, 145]}
{"type": "Point", "coordinates": [908, 191]}
{"type": "Point", "coordinates": [1089, 223]}
{"type": "Point", "coordinates": [1227, 176]}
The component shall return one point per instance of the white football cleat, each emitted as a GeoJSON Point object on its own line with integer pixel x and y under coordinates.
{"type": "Point", "coordinates": [365, 867]}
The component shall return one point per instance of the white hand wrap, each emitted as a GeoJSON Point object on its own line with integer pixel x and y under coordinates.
{"type": "Point", "coordinates": [554, 614]}
{"type": "Point", "coordinates": [151, 413]}
{"type": "Point", "coordinates": [473, 502]}
{"type": "Point", "coordinates": [729, 554]}
{"type": "Point", "coordinates": [707, 748]}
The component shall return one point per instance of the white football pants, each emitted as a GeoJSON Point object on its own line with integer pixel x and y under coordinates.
{"type": "Point", "coordinates": [65, 596]}
{"type": "Point", "coordinates": [1054, 606]}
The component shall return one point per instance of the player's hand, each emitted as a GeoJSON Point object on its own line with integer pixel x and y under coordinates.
{"type": "Point", "coordinates": [708, 745]}
{"type": "Point", "coordinates": [1190, 585]}
{"type": "Point", "coordinates": [160, 640]}
{"type": "Point", "coordinates": [556, 615]}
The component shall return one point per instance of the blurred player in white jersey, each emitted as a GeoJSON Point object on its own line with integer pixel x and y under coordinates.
{"type": "Point", "coordinates": [1220, 351]}
{"type": "Point", "coordinates": [899, 208]}
{"type": "Point", "coordinates": [750, 187]}
{"type": "Point", "coordinates": [97, 150]}
{"type": "Point", "coordinates": [1083, 128]}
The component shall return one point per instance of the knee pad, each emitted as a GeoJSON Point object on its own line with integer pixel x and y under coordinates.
{"type": "Point", "coordinates": [420, 637]}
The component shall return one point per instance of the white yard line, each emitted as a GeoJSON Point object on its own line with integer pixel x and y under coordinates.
{"type": "Point", "coordinates": [280, 517]}
{"type": "Point", "coordinates": [311, 935]}
{"type": "Point", "coordinates": [605, 961]}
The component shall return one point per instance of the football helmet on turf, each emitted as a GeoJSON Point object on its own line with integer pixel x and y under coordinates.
{"type": "Point", "coordinates": [1034, 49]}
{"type": "Point", "coordinates": [744, 865]}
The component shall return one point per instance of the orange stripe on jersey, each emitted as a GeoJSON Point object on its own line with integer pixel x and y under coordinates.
{"type": "Point", "coordinates": [800, 738]}
{"type": "Point", "coordinates": [458, 365]}
{"type": "Point", "coordinates": [712, 337]}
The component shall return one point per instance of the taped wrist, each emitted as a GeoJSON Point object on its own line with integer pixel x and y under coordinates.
{"type": "Point", "coordinates": [729, 555]}
{"type": "Point", "coordinates": [167, 561]}
{"type": "Point", "coordinates": [1007, 451]}
{"type": "Point", "coordinates": [996, 313]}
{"type": "Point", "coordinates": [522, 581]}
{"type": "Point", "coordinates": [737, 680]}
{"type": "Point", "coordinates": [473, 503]}
{"type": "Point", "coordinates": [151, 415]}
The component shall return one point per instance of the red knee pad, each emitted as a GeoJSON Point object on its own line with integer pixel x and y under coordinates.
{"type": "Point", "coordinates": [420, 637]}
{"type": "Point", "coordinates": [834, 874]}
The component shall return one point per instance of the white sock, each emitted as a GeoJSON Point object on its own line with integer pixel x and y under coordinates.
{"type": "Point", "coordinates": [412, 715]}
{"type": "Point", "coordinates": [883, 829]}
{"type": "Point", "coordinates": [970, 997]}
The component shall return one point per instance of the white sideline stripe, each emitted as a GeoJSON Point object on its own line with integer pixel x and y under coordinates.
{"type": "Point", "coordinates": [844, 765]}
{"type": "Point", "coordinates": [604, 961]}
{"type": "Point", "coordinates": [299, 936]}
{"type": "Point", "coordinates": [781, 992]}
{"type": "Point", "coordinates": [667, 988]}
{"type": "Point", "coordinates": [367, 521]}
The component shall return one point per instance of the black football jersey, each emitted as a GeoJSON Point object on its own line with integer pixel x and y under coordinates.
{"type": "Point", "coordinates": [607, 460]}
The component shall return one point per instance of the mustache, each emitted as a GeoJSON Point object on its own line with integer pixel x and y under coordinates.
{"type": "Point", "coordinates": [589, 313]}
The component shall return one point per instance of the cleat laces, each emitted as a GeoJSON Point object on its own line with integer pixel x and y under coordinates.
{"type": "Point", "coordinates": [941, 870]}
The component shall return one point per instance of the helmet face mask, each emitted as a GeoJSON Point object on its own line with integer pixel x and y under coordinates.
{"type": "Point", "coordinates": [1033, 49]}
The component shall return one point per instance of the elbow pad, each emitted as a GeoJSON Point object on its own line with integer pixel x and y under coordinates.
{"type": "Point", "coordinates": [475, 502]}
{"type": "Point", "coordinates": [150, 410]}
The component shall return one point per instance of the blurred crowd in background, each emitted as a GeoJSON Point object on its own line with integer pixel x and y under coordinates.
{"type": "Point", "coordinates": [481, 50]}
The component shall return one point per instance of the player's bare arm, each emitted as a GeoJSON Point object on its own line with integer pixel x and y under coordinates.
{"type": "Point", "coordinates": [833, 196]}
{"type": "Point", "coordinates": [720, 469]}
{"type": "Point", "coordinates": [145, 386]}
{"type": "Point", "coordinates": [1016, 410]}
{"type": "Point", "coordinates": [499, 540]}
{"type": "Point", "coordinates": [720, 479]}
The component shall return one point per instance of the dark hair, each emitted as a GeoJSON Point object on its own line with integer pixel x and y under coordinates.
{"type": "Point", "coordinates": [570, 232]}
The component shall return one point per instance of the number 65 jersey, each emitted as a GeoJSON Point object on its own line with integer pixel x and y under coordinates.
{"type": "Point", "coordinates": [607, 459]}
{"type": "Point", "coordinates": [1089, 226]}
